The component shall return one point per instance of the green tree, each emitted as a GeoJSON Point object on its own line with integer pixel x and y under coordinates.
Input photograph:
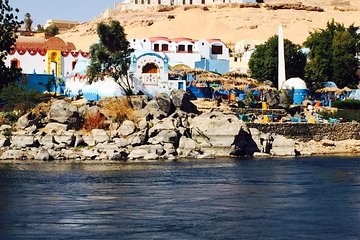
{"type": "Point", "coordinates": [111, 56]}
{"type": "Point", "coordinates": [51, 31]}
{"type": "Point", "coordinates": [9, 24]}
{"type": "Point", "coordinates": [263, 63]}
{"type": "Point", "coordinates": [332, 56]}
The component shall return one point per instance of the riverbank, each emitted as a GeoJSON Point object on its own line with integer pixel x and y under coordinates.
{"type": "Point", "coordinates": [167, 127]}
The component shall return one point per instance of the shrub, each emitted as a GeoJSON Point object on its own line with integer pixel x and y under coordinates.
{"type": "Point", "coordinates": [94, 121]}
{"type": "Point", "coordinates": [17, 97]}
{"type": "Point", "coordinates": [347, 115]}
{"type": "Point", "coordinates": [118, 109]}
{"type": "Point", "coordinates": [347, 104]}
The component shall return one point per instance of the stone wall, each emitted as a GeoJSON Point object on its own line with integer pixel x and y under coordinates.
{"type": "Point", "coordinates": [306, 131]}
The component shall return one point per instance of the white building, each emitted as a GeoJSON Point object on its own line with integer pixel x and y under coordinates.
{"type": "Point", "coordinates": [143, 4]}
{"type": "Point", "coordinates": [208, 54]}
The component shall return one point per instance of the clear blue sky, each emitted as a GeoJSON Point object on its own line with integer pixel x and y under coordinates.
{"type": "Point", "coordinates": [73, 10]}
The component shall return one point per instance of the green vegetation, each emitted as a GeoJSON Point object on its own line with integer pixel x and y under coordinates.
{"type": "Point", "coordinates": [9, 24]}
{"type": "Point", "coordinates": [16, 96]}
{"type": "Point", "coordinates": [111, 56]}
{"type": "Point", "coordinates": [347, 104]}
{"type": "Point", "coordinates": [51, 31]}
{"type": "Point", "coordinates": [263, 63]}
{"type": "Point", "coordinates": [332, 56]}
{"type": "Point", "coordinates": [347, 115]}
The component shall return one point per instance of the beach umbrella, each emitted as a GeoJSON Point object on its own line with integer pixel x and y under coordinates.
{"type": "Point", "coordinates": [329, 90]}
{"type": "Point", "coordinates": [179, 67]}
{"type": "Point", "coordinates": [345, 89]}
{"type": "Point", "coordinates": [235, 74]}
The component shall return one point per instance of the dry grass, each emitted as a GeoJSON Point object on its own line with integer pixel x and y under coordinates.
{"type": "Point", "coordinates": [94, 121]}
{"type": "Point", "coordinates": [118, 109]}
{"type": "Point", "coordinates": [2, 119]}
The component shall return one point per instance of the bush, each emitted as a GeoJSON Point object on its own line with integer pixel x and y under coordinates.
{"type": "Point", "coordinates": [94, 121]}
{"type": "Point", "coordinates": [17, 97]}
{"type": "Point", "coordinates": [347, 104]}
{"type": "Point", "coordinates": [118, 109]}
{"type": "Point", "coordinates": [347, 115]}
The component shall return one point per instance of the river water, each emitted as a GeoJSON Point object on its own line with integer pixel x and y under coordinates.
{"type": "Point", "coordinates": [297, 198]}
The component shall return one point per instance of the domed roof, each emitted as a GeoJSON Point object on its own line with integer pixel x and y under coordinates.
{"type": "Point", "coordinates": [329, 84]}
{"type": "Point", "coordinates": [294, 83]}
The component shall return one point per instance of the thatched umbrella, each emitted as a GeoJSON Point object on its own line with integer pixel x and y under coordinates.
{"type": "Point", "coordinates": [329, 90]}
{"type": "Point", "coordinates": [179, 67]}
{"type": "Point", "coordinates": [235, 74]}
{"type": "Point", "coordinates": [345, 89]}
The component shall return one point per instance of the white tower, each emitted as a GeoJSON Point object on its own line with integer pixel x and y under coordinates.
{"type": "Point", "coordinates": [281, 59]}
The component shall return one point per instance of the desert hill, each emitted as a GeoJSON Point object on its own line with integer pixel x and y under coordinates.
{"type": "Point", "coordinates": [231, 22]}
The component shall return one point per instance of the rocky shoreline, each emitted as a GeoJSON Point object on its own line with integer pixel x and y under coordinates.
{"type": "Point", "coordinates": [167, 127]}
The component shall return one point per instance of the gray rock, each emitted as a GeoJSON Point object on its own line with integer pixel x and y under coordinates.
{"type": "Point", "coordinates": [282, 146]}
{"type": "Point", "coordinates": [90, 154]}
{"type": "Point", "coordinates": [12, 155]}
{"type": "Point", "coordinates": [186, 146]}
{"type": "Point", "coordinates": [43, 155]}
{"type": "Point", "coordinates": [79, 141]}
{"type": "Point", "coordinates": [89, 140]}
{"type": "Point", "coordinates": [67, 139]}
{"type": "Point", "coordinates": [121, 142]}
{"type": "Point", "coordinates": [151, 156]}
{"type": "Point", "coordinates": [62, 112]}
{"type": "Point", "coordinates": [138, 153]}
{"type": "Point", "coordinates": [26, 120]}
{"type": "Point", "coordinates": [4, 141]}
{"type": "Point", "coordinates": [56, 155]}
{"type": "Point", "coordinates": [169, 149]}
{"type": "Point", "coordinates": [167, 136]}
{"type": "Point", "coordinates": [152, 110]}
{"type": "Point", "coordinates": [54, 127]}
{"type": "Point", "coordinates": [139, 138]}
{"type": "Point", "coordinates": [22, 141]}
{"type": "Point", "coordinates": [181, 100]}
{"type": "Point", "coordinates": [126, 128]}
{"type": "Point", "coordinates": [164, 102]}
{"type": "Point", "coordinates": [138, 102]}
{"type": "Point", "coordinates": [100, 135]}
{"type": "Point", "coordinates": [47, 141]}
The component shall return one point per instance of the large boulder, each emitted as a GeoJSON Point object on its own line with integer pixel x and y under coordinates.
{"type": "Point", "coordinates": [12, 155]}
{"type": "Point", "coordinates": [26, 120]}
{"type": "Point", "coordinates": [23, 141]}
{"type": "Point", "coordinates": [127, 127]}
{"type": "Point", "coordinates": [164, 102]}
{"type": "Point", "coordinates": [54, 127]}
{"type": "Point", "coordinates": [64, 112]}
{"type": "Point", "coordinates": [222, 134]}
{"type": "Point", "coordinates": [43, 155]}
{"type": "Point", "coordinates": [138, 102]}
{"type": "Point", "coordinates": [100, 135]}
{"type": "Point", "coordinates": [166, 136]}
{"type": "Point", "coordinates": [181, 100]}
{"type": "Point", "coordinates": [151, 111]}
{"type": "Point", "coordinates": [282, 146]}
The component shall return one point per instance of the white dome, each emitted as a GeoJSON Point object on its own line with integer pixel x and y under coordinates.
{"type": "Point", "coordinates": [294, 83]}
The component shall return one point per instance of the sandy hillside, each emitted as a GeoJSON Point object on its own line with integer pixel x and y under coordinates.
{"type": "Point", "coordinates": [229, 24]}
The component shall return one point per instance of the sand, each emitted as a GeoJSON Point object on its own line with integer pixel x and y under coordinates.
{"type": "Point", "coordinates": [228, 24]}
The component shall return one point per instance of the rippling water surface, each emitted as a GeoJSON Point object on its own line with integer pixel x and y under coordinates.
{"type": "Point", "coordinates": [301, 198]}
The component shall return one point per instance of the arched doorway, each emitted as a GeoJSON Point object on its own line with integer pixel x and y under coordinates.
{"type": "Point", "coordinates": [151, 68]}
{"type": "Point", "coordinates": [15, 63]}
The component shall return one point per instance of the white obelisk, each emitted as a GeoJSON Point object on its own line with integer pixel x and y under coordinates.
{"type": "Point", "coordinates": [281, 59]}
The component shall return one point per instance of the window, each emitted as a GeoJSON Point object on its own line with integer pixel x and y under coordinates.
{"type": "Point", "coordinates": [202, 1]}
{"type": "Point", "coordinates": [142, 2]}
{"type": "Point", "coordinates": [73, 64]}
{"type": "Point", "coordinates": [148, 2]}
{"type": "Point", "coordinates": [136, 2]}
{"type": "Point", "coordinates": [184, 2]}
{"type": "Point", "coordinates": [150, 68]}
{"type": "Point", "coordinates": [190, 48]}
{"type": "Point", "coordinates": [181, 48]}
{"type": "Point", "coordinates": [165, 47]}
{"type": "Point", "coordinates": [15, 63]}
{"type": "Point", "coordinates": [159, 2]}
{"type": "Point", "coordinates": [216, 49]}
{"type": "Point", "coordinates": [191, 2]}
{"type": "Point", "coordinates": [156, 47]}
